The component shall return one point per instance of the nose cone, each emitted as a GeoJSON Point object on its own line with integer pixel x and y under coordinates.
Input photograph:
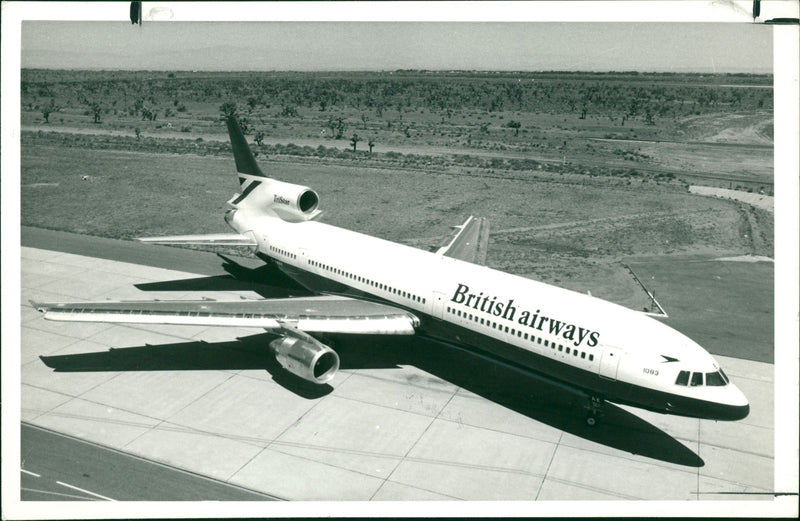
{"type": "Point", "coordinates": [736, 407]}
{"type": "Point", "coordinates": [730, 405]}
{"type": "Point", "coordinates": [734, 412]}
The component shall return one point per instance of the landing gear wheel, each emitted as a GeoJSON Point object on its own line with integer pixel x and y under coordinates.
{"type": "Point", "coordinates": [591, 420]}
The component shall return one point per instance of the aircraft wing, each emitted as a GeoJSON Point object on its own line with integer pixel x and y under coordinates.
{"type": "Point", "coordinates": [325, 314]}
{"type": "Point", "coordinates": [216, 239]}
{"type": "Point", "coordinates": [469, 242]}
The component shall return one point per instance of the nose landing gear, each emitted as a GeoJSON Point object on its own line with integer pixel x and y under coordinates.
{"type": "Point", "coordinates": [594, 410]}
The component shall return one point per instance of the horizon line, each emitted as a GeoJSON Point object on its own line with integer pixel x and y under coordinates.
{"type": "Point", "coordinates": [767, 72]}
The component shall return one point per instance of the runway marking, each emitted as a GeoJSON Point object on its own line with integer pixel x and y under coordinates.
{"type": "Point", "coordinates": [84, 491]}
{"type": "Point", "coordinates": [31, 473]}
{"type": "Point", "coordinates": [51, 493]}
{"type": "Point", "coordinates": [151, 462]}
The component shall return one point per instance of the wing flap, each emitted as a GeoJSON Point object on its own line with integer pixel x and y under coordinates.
{"type": "Point", "coordinates": [329, 314]}
{"type": "Point", "coordinates": [470, 241]}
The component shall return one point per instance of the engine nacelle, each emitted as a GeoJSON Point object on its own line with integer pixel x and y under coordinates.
{"type": "Point", "coordinates": [311, 361]}
{"type": "Point", "coordinates": [290, 202]}
{"type": "Point", "coordinates": [293, 202]}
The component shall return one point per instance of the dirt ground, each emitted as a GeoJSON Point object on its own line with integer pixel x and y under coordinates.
{"type": "Point", "coordinates": [570, 231]}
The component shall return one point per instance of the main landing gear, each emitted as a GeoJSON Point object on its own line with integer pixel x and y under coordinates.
{"type": "Point", "coordinates": [594, 410]}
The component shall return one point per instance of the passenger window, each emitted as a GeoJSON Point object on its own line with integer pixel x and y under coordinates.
{"type": "Point", "coordinates": [583, 355]}
{"type": "Point", "coordinates": [697, 379]}
{"type": "Point", "coordinates": [559, 348]}
{"type": "Point", "coordinates": [591, 358]}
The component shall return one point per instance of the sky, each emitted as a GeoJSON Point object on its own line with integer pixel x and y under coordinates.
{"type": "Point", "coordinates": [602, 46]}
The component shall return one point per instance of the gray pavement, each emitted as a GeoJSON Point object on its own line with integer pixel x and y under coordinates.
{"type": "Point", "coordinates": [56, 467]}
{"type": "Point", "coordinates": [196, 398]}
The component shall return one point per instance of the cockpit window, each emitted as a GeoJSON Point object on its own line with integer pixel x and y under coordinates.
{"type": "Point", "coordinates": [697, 379]}
{"type": "Point", "coordinates": [715, 379]}
{"type": "Point", "coordinates": [724, 376]}
{"type": "Point", "coordinates": [683, 378]}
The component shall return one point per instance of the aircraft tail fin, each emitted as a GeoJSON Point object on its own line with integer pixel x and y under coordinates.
{"type": "Point", "coordinates": [259, 194]}
{"type": "Point", "coordinates": [245, 161]}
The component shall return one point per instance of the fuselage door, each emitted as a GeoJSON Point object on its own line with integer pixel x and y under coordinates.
{"type": "Point", "coordinates": [437, 304]}
{"type": "Point", "coordinates": [609, 363]}
{"type": "Point", "coordinates": [263, 242]}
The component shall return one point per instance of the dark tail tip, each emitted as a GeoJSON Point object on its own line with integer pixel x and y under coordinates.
{"type": "Point", "coordinates": [245, 161]}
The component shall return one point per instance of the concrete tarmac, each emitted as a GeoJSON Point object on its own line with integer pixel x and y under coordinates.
{"type": "Point", "coordinates": [56, 467]}
{"type": "Point", "coordinates": [401, 421]}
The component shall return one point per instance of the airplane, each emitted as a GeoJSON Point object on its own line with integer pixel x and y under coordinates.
{"type": "Point", "coordinates": [360, 284]}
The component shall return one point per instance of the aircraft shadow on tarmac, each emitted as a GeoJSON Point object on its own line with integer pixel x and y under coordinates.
{"type": "Point", "coordinates": [497, 382]}
{"type": "Point", "coordinates": [239, 278]}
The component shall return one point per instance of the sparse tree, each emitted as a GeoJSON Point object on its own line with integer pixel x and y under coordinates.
{"type": "Point", "coordinates": [332, 125]}
{"type": "Point", "coordinates": [228, 109]}
{"type": "Point", "coordinates": [340, 128]}
{"type": "Point", "coordinates": [96, 111]}
{"type": "Point", "coordinates": [259, 138]}
{"type": "Point", "coordinates": [49, 109]}
{"type": "Point", "coordinates": [138, 133]}
{"type": "Point", "coordinates": [289, 112]}
{"type": "Point", "coordinates": [649, 117]}
{"type": "Point", "coordinates": [148, 114]}
{"type": "Point", "coordinates": [371, 144]}
{"type": "Point", "coordinates": [354, 141]}
{"type": "Point", "coordinates": [515, 125]}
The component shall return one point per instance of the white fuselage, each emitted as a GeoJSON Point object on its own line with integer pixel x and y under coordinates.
{"type": "Point", "coordinates": [588, 334]}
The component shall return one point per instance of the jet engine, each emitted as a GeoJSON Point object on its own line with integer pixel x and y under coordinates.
{"type": "Point", "coordinates": [307, 359]}
{"type": "Point", "coordinates": [292, 202]}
